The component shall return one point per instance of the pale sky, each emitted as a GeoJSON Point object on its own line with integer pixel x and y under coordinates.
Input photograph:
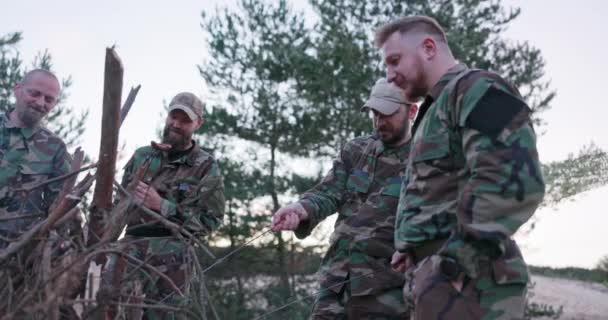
{"type": "Point", "coordinates": [161, 43]}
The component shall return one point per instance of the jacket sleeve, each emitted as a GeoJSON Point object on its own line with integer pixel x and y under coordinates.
{"type": "Point", "coordinates": [326, 197]}
{"type": "Point", "coordinates": [61, 166]}
{"type": "Point", "coordinates": [505, 183]}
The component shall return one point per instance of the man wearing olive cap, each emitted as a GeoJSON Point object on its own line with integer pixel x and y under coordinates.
{"type": "Point", "coordinates": [363, 185]}
{"type": "Point", "coordinates": [181, 182]}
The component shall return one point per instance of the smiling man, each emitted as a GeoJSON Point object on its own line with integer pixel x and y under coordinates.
{"type": "Point", "coordinates": [182, 183]}
{"type": "Point", "coordinates": [363, 187]}
{"type": "Point", "coordinates": [472, 180]}
{"type": "Point", "coordinates": [29, 155]}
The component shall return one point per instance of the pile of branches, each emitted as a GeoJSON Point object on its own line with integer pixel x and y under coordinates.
{"type": "Point", "coordinates": [45, 269]}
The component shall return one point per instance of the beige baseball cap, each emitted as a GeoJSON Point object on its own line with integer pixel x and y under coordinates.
{"type": "Point", "coordinates": [189, 103]}
{"type": "Point", "coordinates": [385, 98]}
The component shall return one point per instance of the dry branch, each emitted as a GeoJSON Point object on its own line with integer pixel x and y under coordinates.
{"type": "Point", "coordinates": [108, 149]}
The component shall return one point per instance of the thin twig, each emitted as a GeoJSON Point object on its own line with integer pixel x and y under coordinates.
{"type": "Point", "coordinates": [59, 178]}
{"type": "Point", "coordinates": [236, 250]}
{"type": "Point", "coordinates": [126, 107]}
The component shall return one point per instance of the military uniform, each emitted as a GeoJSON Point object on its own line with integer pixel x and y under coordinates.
{"type": "Point", "coordinates": [192, 188]}
{"type": "Point", "coordinates": [473, 179]}
{"type": "Point", "coordinates": [363, 187]}
{"type": "Point", "coordinates": [28, 157]}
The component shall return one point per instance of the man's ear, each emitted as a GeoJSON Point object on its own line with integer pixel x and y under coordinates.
{"type": "Point", "coordinates": [413, 110]}
{"type": "Point", "coordinates": [429, 46]}
{"type": "Point", "coordinates": [200, 123]}
{"type": "Point", "coordinates": [17, 89]}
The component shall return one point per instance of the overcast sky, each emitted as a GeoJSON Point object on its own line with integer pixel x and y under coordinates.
{"type": "Point", "coordinates": [161, 43]}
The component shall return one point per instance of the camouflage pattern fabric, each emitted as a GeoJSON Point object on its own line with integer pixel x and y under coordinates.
{"type": "Point", "coordinates": [473, 179]}
{"type": "Point", "coordinates": [192, 189]}
{"type": "Point", "coordinates": [387, 305]}
{"type": "Point", "coordinates": [191, 186]}
{"type": "Point", "coordinates": [28, 157]}
{"type": "Point", "coordinates": [363, 187]}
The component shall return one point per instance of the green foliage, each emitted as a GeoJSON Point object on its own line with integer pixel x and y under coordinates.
{"type": "Point", "coordinates": [253, 54]}
{"type": "Point", "coordinates": [579, 173]}
{"type": "Point", "coordinates": [602, 268]}
{"type": "Point", "coordinates": [247, 285]}
{"type": "Point", "coordinates": [535, 310]}
{"type": "Point", "coordinates": [345, 62]}
{"type": "Point", "coordinates": [602, 265]}
{"type": "Point", "coordinates": [63, 120]}
{"type": "Point", "coordinates": [574, 273]}
{"type": "Point", "coordinates": [10, 68]}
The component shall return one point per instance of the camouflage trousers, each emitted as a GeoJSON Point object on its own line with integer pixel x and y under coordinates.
{"type": "Point", "coordinates": [386, 305]}
{"type": "Point", "coordinates": [431, 295]}
{"type": "Point", "coordinates": [151, 272]}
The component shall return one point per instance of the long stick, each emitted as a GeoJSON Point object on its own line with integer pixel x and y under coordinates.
{"type": "Point", "coordinates": [108, 149]}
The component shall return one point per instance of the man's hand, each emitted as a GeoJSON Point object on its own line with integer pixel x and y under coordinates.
{"type": "Point", "coordinates": [458, 284]}
{"type": "Point", "coordinates": [148, 197]}
{"type": "Point", "coordinates": [401, 261]}
{"type": "Point", "coordinates": [289, 217]}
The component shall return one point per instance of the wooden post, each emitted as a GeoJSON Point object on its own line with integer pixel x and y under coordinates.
{"type": "Point", "coordinates": [110, 125]}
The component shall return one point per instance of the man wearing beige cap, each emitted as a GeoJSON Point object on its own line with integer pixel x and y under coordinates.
{"type": "Point", "coordinates": [182, 183]}
{"type": "Point", "coordinates": [356, 278]}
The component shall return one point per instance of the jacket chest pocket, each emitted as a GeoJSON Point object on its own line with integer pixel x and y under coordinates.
{"type": "Point", "coordinates": [358, 181]}
{"type": "Point", "coordinates": [182, 188]}
{"type": "Point", "coordinates": [392, 187]}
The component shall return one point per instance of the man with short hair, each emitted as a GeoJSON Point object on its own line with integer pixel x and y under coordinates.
{"type": "Point", "coordinates": [363, 187]}
{"type": "Point", "coordinates": [472, 180]}
{"type": "Point", "coordinates": [29, 155]}
{"type": "Point", "coordinates": [181, 182]}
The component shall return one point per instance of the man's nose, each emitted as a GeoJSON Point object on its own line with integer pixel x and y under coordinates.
{"type": "Point", "coordinates": [40, 102]}
{"type": "Point", "coordinates": [390, 74]}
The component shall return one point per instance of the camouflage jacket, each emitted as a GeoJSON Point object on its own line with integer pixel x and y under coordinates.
{"type": "Point", "coordinates": [28, 157]}
{"type": "Point", "coordinates": [191, 186]}
{"type": "Point", "coordinates": [473, 176]}
{"type": "Point", "coordinates": [363, 187]}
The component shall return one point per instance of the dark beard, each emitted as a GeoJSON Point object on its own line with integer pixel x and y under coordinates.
{"type": "Point", "coordinates": [396, 138]}
{"type": "Point", "coordinates": [179, 142]}
{"type": "Point", "coordinates": [29, 117]}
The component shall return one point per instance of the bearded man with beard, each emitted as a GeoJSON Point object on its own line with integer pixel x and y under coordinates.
{"type": "Point", "coordinates": [182, 183]}
{"type": "Point", "coordinates": [363, 187]}
{"type": "Point", "coordinates": [473, 179]}
{"type": "Point", "coordinates": [29, 155]}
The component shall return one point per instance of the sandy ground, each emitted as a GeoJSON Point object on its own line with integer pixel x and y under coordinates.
{"type": "Point", "coordinates": [580, 300]}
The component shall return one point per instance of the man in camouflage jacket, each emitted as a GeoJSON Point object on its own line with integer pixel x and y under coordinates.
{"type": "Point", "coordinates": [29, 155]}
{"type": "Point", "coordinates": [473, 179]}
{"type": "Point", "coordinates": [182, 183]}
{"type": "Point", "coordinates": [363, 187]}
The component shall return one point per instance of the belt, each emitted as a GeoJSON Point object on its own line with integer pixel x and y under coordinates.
{"type": "Point", "coordinates": [148, 231]}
